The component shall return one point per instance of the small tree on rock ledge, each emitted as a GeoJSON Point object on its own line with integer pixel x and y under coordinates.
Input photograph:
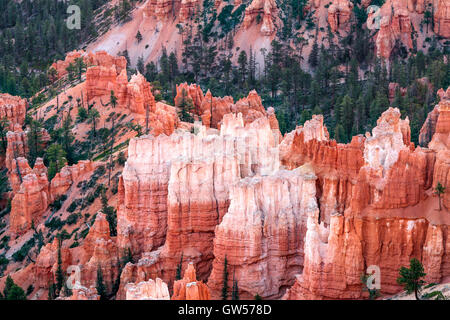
{"type": "Point", "coordinates": [439, 191]}
{"type": "Point", "coordinates": [411, 278]}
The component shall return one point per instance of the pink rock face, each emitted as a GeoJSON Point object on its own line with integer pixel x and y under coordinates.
{"type": "Point", "coordinates": [187, 9]}
{"type": "Point", "coordinates": [393, 175]}
{"type": "Point", "coordinates": [146, 176]}
{"type": "Point", "coordinates": [134, 95]}
{"type": "Point", "coordinates": [158, 8]}
{"type": "Point", "coordinates": [175, 190]}
{"type": "Point", "coordinates": [336, 165]}
{"type": "Point", "coordinates": [441, 136]}
{"type": "Point", "coordinates": [13, 109]}
{"type": "Point", "coordinates": [211, 110]}
{"type": "Point", "coordinates": [339, 15]}
{"type": "Point", "coordinates": [395, 25]}
{"type": "Point", "coordinates": [264, 10]}
{"type": "Point", "coordinates": [147, 290]}
{"type": "Point", "coordinates": [393, 86]}
{"type": "Point", "coordinates": [442, 175]}
{"type": "Point", "coordinates": [103, 59]}
{"type": "Point", "coordinates": [442, 18]}
{"type": "Point", "coordinates": [17, 147]}
{"type": "Point", "coordinates": [82, 293]}
{"type": "Point", "coordinates": [31, 200]}
{"type": "Point", "coordinates": [64, 179]}
{"type": "Point", "coordinates": [197, 200]}
{"type": "Point", "coordinates": [61, 65]}
{"type": "Point", "coordinates": [334, 264]}
{"type": "Point", "coordinates": [429, 127]}
{"type": "Point", "coordinates": [97, 250]}
{"type": "Point", "coordinates": [100, 81]}
{"type": "Point", "coordinates": [261, 236]}
{"type": "Point", "coordinates": [99, 58]}
{"type": "Point", "coordinates": [189, 288]}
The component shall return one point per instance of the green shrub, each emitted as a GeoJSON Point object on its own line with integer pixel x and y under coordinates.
{"type": "Point", "coordinates": [73, 218]}
{"type": "Point", "coordinates": [19, 255]}
{"type": "Point", "coordinates": [74, 205]}
{"type": "Point", "coordinates": [54, 224]}
{"type": "Point", "coordinates": [74, 244]}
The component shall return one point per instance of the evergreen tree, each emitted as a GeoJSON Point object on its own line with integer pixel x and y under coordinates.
{"type": "Point", "coordinates": [225, 280]}
{"type": "Point", "coordinates": [59, 270]}
{"type": "Point", "coordinates": [56, 158]}
{"type": "Point", "coordinates": [100, 286]}
{"type": "Point", "coordinates": [51, 291]}
{"type": "Point", "coordinates": [12, 291]}
{"type": "Point", "coordinates": [139, 36]}
{"type": "Point", "coordinates": [339, 133]}
{"type": "Point", "coordinates": [243, 65]}
{"type": "Point", "coordinates": [313, 56]}
{"type": "Point", "coordinates": [79, 67]}
{"type": "Point", "coordinates": [185, 107]}
{"type": "Point", "coordinates": [34, 142]}
{"type": "Point", "coordinates": [235, 290]}
{"type": "Point", "coordinates": [179, 268]}
{"type": "Point", "coordinates": [347, 115]}
{"type": "Point", "coordinates": [4, 128]}
{"type": "Point", "coordinates": [411, 278]}
{"type": "Point", "coordinates": [439, 191]}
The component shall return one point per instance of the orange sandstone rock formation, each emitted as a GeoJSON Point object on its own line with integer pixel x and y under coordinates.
{"type": "Point", "coordinates": [262, 10]}
{"type": "Point", "coordinates": [82, 293]}
{"type": "Point", "coordinates": [147, 290]}
{"type": "Point", "coordinates": [394, 176]}
{"type": "Point", "coordinates": [99, 58]}
{"type": "Point", "coordinates": [13, 109]}
{"type": "Point", "coordinates": [180, 184]}
{"type": "Point", "coordinates": [442, 18]}
{"type": "Point", "coordinates": [339, 15]}
{"type": "Point", "coordinates": [189, 288]}
{"type": "Point", "coordinates": [262, 234]}
{"type": "Point", "coordinates": [64, 179]}
{"type": "Point", "coordinates": [395, 25]}
{"type": "Point", "coordinates": [31, 199]}
{"type": "Point", "coordinates": [211, 110]}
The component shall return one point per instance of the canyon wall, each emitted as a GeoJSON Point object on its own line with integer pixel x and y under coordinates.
{"type": "Point", "coordinates": [262, 234]}
{"type": "Point", "coordinates": [389, 219]}
{"type": "Point", "coordinates": [14, 109]}
{"type": "Point", "coordinates": [264, 12]}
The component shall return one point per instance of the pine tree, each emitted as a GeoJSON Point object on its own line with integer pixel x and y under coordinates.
{"type": "Point", "coordinates": [4, 128]}
{"type": "Point", "coordinates": [139, 36]}
{"type": "Point", "coordinates": [242, 62]}
{"type": "Point", "coordinates": [225, 279]}
{"type": "Point", "coordinates": [51, 291]}
{"type": "Point", "coordinates": [12, 291]}
{"type": "Point", "coordinates": [185, 107]}
{"type": "Point", "coordinates": [56, 157]}
{"type": "Point", "coordinates": [439, 191]}
{"type": "Point", "coordinates": [79, 67]}
{"type": "Point", "coordinates": [411, 278]}
{"type": "Point", "coordinates": [59, 270]}
{"type": "Point", "coordinates": [235, 289]}
{"type": "Point", "coordinates": [339, 133]}
{"type": "Point", "coordinates": [179, 268]}
{"type": "Point", "coordinates": [113, 101]}
{"type": "Point", "coordinates": [34, 142]}
{"type": "Point", "coordinates": [100, 286]}
{"type": "Point", "coordinates": [314, 55]}
{"type": "Point", "coordinates": [347, 115]}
